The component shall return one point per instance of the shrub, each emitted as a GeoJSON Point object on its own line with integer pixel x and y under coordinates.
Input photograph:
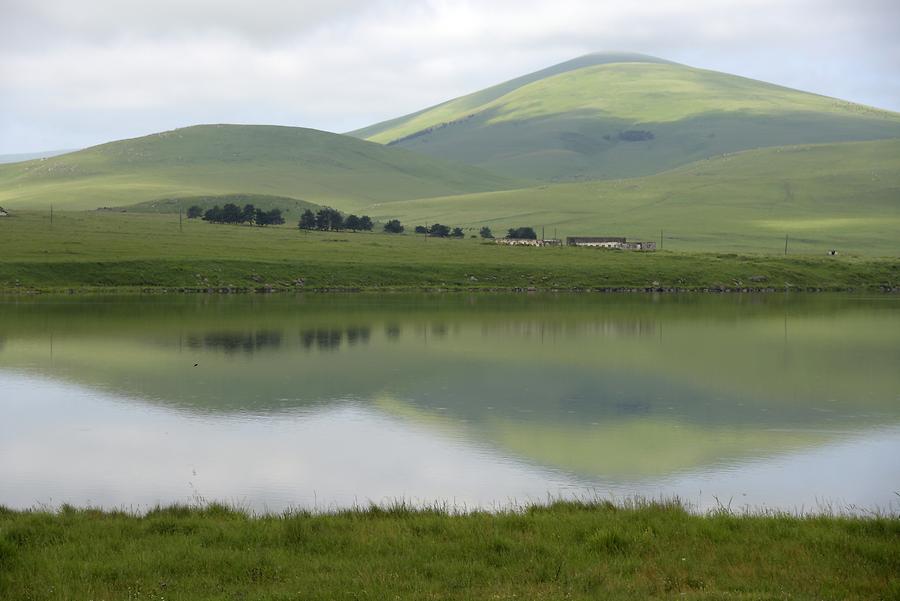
{"type": "Point", "coordinates": [439, 230]}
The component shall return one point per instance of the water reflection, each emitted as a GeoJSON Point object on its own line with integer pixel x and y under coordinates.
{"type": "Point", "coordinates": [525, 395]}
{"type": "Point", "coordinates": [231, 342]}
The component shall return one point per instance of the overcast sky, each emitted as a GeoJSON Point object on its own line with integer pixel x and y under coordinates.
{"type": "Point", "coordinates": [80, 72]}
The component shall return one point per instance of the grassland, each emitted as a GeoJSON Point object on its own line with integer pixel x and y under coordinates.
{"type": "Point", "coordinates": [303, 164]}
{"type": "Point", "coordinates": [563, 551]}
{"type": "Point", "coordinates": [563, 123]}
{"type": "Point", "coordinates": [84, 250]}
{"type": "Point", "coordinates": [844, 196]}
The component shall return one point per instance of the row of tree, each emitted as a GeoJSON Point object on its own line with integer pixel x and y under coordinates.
{"type": "Point", "coordinates": [231, 213]}
{"type": "Point", "coordinates": [444, 231]}
{"type": "Point", "coordinates": [440, 230]}
{"type": "Point", "coordinates": [328, 219]}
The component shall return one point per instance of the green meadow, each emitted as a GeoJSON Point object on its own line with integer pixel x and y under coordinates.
{"type": "Point", "coordinates": [843, 196]}
{"type": "Point", "coordinates": [97, 250]}
{"type": "Point", "coordinates": [840, 196]}
{"type": "Point", "coordinates": [636, 550]}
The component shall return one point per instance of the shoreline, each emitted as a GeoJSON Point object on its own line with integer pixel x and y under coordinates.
{"type": "Point", "coordinates": [182, 290]}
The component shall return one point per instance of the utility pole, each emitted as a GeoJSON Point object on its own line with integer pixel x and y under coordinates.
{"type": "Point", "coordinates": [660, 239]}
{"type": "Point", "coordinates": [542, 233]}
{"type": "Point", "coordinates": [785, 243]}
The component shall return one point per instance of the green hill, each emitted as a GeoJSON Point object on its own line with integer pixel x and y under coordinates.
{"type": "Point", "coordinates": [203, 160]}
{"type": "Point", "coordinates": [613, 115]}
{"type": "Point", "coordinates": [844, 196]}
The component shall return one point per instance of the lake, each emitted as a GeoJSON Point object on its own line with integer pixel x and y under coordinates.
{"type": "Point", "coordinates": [330, 401]}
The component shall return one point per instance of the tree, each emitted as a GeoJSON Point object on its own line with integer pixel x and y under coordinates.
{"type": "Point", "coordinates": [457, 233]}
{"type": "Point", "coordinates": [275, 217]}
{"type": "Point", "coordinates": [307, 220]}
{"type": "Point", "coordinates": [351, 222]}
{"type": "Point", "coordinates": [365, 223]}
{"type": "Point", "coordinates": [231, 213]}
{"type": "Point", "coordinates": [393, 227]}
{"type": "Point", "coordinates": [329, 219]}
{"type": "Point", "coordinates": [271, 217]}
{"type": "Point", "coordinates": [421, 229]}
{"type": "Point", "coordinates": [336, 219]}
{"type": "Point", "coordinates": [194, 211]}
{"type": "Point", "coordinates": [486, 232]}
{"type": "Point", "coordinates": [248, 214]}
{"type": "Point", "coordinates": [526, 233]}
{"type": "Point", "coordinates": [213, 215]}
{"type": "Point", "coordinates": [439, 230]}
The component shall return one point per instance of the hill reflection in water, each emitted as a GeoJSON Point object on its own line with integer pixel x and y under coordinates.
{"type": "Point", "coordinates": [577, 391]}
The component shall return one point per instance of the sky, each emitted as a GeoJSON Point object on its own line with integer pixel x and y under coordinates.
{"type": "Point", "coordinates": [74, 73]}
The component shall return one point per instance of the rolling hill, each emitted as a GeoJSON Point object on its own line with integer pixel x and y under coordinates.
{"type": "Point", "coordinates": [624, 115]}
{"type": "Point", "coordinates": [844, 196]}
{"type": "Point", "coordinates": [302, 164]}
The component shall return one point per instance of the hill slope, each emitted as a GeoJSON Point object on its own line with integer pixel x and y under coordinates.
{"type": "Point", "coordinates": [300, 163]}
{"type": "Point", "coordinates": [590, 118]}
{"type": "Point", "coordinates": [844, 196]}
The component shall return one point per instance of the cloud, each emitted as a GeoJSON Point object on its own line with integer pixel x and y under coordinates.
{"type": "Point", "coordinates": [76, 73]}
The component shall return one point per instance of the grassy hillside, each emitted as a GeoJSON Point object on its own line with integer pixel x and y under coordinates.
{"type": "Point", "coordinates": [844, 196]}
{"type": "Point", "coordinates": [565, 122]}
{"type": "Point", "coordinates": [450, 109]}
{"type": "Point", "coordinates": [316, 166]}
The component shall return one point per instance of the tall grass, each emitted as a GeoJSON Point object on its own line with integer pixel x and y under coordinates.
{"type": "Point", "coordinates": [564, 550]}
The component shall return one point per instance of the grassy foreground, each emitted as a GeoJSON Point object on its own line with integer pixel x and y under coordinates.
{"type": "Point", "coordinates": [563, 551]}
{"type": "Point", "coordinates": [123, 251]}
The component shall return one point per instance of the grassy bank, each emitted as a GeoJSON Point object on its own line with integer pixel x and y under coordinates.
{"type": "Point", "coordinates": [564, 551]}
{"type": "Point", "coordinates": [91, 251]}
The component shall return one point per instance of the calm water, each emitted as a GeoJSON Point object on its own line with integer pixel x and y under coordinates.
{"type": "Point", "coordinates": [275, 402]}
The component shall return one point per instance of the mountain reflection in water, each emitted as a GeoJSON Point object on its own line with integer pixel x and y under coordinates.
{"type": "Point", "coordinates": [567, 393]}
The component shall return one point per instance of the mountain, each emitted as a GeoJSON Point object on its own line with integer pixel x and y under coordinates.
{"type": "Point", "coordinates": [212, 160]}
{"type": "Point", "coordinates": [842, 196]}
{"type": "Point", "coordinates": [623, 115]}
